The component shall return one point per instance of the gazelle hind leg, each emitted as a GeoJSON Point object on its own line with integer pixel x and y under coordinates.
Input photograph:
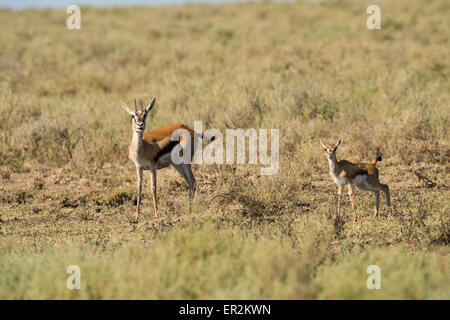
{"type": "Point", "coordinates": [181, 170]}
{"type": "Point", "coordinates": [352, 199]}
{"type": "Point", "coordinates": [385, 189]}
{"type": "Point", "coordinates": [191, 180]}
{"type": "Point", "coordinates": [377, 203]}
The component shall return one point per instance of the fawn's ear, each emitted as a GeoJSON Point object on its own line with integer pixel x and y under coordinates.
{"type": "Point", "coordinates": [126, 108]}
{"type": "Point", "coordinates": [337, 144]}
{"type": "Point", "coordinates": [150, 106]}
{"type": "Point", "coordinates": [323, 145]}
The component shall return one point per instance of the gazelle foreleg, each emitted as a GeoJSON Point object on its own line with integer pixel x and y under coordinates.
{"type": "Point", "coordinates": [139, 176]}
{"type": "Point", "coordinates": [352, 200]}
{"type": "Point", "coordinates": [153, 187]}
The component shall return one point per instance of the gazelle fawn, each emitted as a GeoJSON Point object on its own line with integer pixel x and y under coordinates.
{"type": "Point", "coordinates": [363, 176]}
{"type": "Point", "coordinates": [152, 150]}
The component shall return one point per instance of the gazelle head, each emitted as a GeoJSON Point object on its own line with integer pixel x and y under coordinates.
{"type": "Point", "coordinates": [331, 149]}
{"type": "Point", "coordinates": [138, 117]}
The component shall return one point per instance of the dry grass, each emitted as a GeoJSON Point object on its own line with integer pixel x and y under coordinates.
{"type": "Point", "coordinates": [67, 187]}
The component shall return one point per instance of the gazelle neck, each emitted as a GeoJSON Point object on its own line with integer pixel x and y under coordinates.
{"type": "Point", "coordinates": [136, 141]}
{"type": "Point", "coordinates": [332, 162]}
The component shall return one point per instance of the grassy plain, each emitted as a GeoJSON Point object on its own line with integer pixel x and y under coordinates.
{"type": "Point", "coordinates": [312, 70]}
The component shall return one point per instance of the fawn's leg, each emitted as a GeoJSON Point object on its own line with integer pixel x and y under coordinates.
{"type": "Point", "coordinates": [377, 203]}
{"type": "Point", "coordinates": [352, 199]}
{"type": "Point", "coordinates": [340, 191]}
{"type": "Point", "coordinates": [153, 186]}
{"type": "Point", "coordinates": [385, 189]}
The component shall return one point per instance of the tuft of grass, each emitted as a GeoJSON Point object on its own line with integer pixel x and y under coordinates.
{"type": "Point", "coordinates": [205, 263]}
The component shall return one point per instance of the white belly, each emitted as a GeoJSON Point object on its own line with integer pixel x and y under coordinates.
{"type": "Point", "coordinates": [360, 182]}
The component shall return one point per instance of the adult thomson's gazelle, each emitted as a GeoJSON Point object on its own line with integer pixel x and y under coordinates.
{"type": "Point", "coordinates": [363, 176]}
{"type": "Point", "coordinates": [152, 150]}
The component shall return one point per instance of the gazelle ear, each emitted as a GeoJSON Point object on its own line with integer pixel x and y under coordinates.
{"type": "Point", "coordinates": [337, 144]}
{"type": "Point", "coordinates": [150, 106]}
{"type": "Point", "coordinates": [322, 144]}
{"type": "Point", "coordinates": [126, 108]}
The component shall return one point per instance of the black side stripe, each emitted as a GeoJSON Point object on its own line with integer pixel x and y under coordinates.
{"type": "Point", "coordinates": [363, 172]}
{"type": "Point", "coordinates": [167, 149]}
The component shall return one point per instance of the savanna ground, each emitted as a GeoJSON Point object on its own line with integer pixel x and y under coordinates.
{"type": "Point", "coordinates": [312, 70]}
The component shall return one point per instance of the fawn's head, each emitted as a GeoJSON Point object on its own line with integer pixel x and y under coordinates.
{"type": "Point", "coordinates": [331, 149]}
{"type": "Point", "coordinates": [138, 117]}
